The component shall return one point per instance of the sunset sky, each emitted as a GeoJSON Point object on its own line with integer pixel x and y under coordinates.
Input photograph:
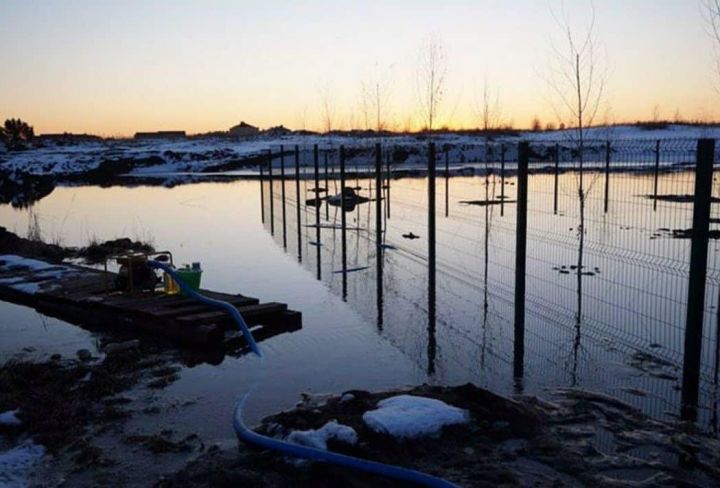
{"type": "Point", "coordinates": [116, 67]}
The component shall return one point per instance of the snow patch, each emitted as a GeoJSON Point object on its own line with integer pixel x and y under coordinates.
{"type": "Point", "coordinates": [10, 418]}
{"type": "Point", "coordinates": [407, 416]}
{"type": "Point", "coordinates": [31, 283]}
{"type": "Point", "coordinates": [319, 438]}
{"type": "Point", "coordinates": [17, 463]}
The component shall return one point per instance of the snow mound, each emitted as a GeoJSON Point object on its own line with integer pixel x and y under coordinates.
{"type": "Point", "coordinates": [10, 419]}
{"type": "Point", "coordinates": [16, 464]}
{"type": "Point", "coordinates": [407, 416]}
{"type": "Point", "coordinates": [319, 438]}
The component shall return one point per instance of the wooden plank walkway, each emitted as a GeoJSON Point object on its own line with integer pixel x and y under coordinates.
{"type": "Point", "coordinates": [81, 295]}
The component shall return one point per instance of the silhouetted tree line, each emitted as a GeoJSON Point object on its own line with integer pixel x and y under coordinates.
{"type": "Point", "coordinates": [16, 134]}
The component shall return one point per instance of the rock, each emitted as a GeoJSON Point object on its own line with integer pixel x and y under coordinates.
{"type": "Point", "coordinates": [84, 355]}
{"type": "Point", "coordinates": [56, 357]}
{"type": "Point", "coordinates": [121, 347]}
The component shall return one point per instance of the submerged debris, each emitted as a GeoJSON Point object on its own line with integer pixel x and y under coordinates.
{"type": "Point", "coordinates": [677, 198]}
{"type": "Point", "coordinates": [485, 203]}
{"type": "Point", "coordinates": [682, 233]}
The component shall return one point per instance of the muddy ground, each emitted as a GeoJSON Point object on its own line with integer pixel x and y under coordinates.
{"type": "Point", "coordinates": [81, 409]}
{"type": "Point", "coordinates": [104, 421]}
{"type": "Point", "coordinates": [93, 253]}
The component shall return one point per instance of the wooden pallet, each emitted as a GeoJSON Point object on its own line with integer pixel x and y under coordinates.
{"type": "Point", "coordinates": [83, 296]}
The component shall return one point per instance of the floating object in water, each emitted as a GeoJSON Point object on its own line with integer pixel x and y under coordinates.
{"type": "Point", "coordinates": [410, 235]}
{"type": "Point", "coordinates": [677, 198]}
{"type": "Point", "coordinates": [485, 203]}
{"type": "Point", "coordinates": [332, 226]}
{"type": "Point", "coordinates": [350, 199]}
{"type": "Point", "coordinates": [350, 270]}
{"type": "Point", "coordinates": [314, 202]}
{"type": "Point", "coordinates": [388, 246]}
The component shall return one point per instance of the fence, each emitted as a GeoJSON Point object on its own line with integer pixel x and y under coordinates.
{"type": "Point", "coordinates": [548, 262]}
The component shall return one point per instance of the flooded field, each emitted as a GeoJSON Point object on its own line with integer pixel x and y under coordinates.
{"type": "Point", "coordinates": [617, 327]}
{"type": "Point", "coordinates": [362, 329]}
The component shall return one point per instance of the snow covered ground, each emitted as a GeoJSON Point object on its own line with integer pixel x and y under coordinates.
{"type": "Point", "coordinates": [152, 157]}
{"type": "Point", "coordinates": [318, 438]}
{"type": "Point", "coordinates": [43, 274]}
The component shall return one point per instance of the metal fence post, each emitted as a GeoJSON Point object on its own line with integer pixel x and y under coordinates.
{"type": "Point", "coordinates": [272, 197]}
{"type": "Point", "coordinates": [387, 183]}
{"type": "Point", "coordinates": [447, 182]}
{"type": "Point", "coordinates": [698, 275]}
{"type": "Point", "coordinates": [378, 235]}
{"type": "Point", "coordinates": [262, 195]}
{"type": "Point", "coordinates": [297, 201]}
{"type": "Point", "coordinates": [607, 175]}
{"type": "Point", "coordinates": [282, 192]}
{"type": "Point", "coordinates": [557, 179]}
{"type": "Point", "coordinates": [432, 341]}
{"type": "Point", "coordinates": [502, 180]}
{"type": "Point", "coordinates": [316, 164]}
{"type": "Point", "coordinates": [657, 173]}
{"type": "Point", "coordinates": [520, 259]}
{"type": "Point", "coordinates": [327, 188]}
{"type": "Point", "coordinates": [343, 223]}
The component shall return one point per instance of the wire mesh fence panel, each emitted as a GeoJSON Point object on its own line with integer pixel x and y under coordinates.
{"type": "Point", "coordinates": [609, 229]}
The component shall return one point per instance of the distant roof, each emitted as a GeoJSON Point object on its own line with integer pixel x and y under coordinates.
{"type": "Point", "coordinates": [244, 124]}
{"type": "Point", "coordinates": [160, 133]}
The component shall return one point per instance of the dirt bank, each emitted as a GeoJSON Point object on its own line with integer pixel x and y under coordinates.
{"type": "Point", "coordinates": [577, 439]}
{"type": "Point", "coordinates": [95, 252]}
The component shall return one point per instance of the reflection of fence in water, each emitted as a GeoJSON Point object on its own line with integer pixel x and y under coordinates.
{"type": "Point", "coordinates": [638, 207]}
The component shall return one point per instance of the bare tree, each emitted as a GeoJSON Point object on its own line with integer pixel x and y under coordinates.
{"type": "Point", "coordinates": [490, 109]}
{"type": "Point", "coordinates": [301, 118]}
{"type": "Point", "coordinates": [375, 97]}
{"type": "Point", "coordinates": [578, 84]}
{"type": "Point", "coordinates": [656, 113]}
{"type": "Point", "coordinates": [327, 108]}
{"type": "Point", "coordinates": [678, 118]}
{"type": "Point", "coordinates": [432, 70]}
{"type": "Point", "coordinates": [365, 105]}
{"type": "Point", "coordinates": [577, 80]}
{"type": "Point", "coordinates": [711, 12]}
{"type": "Point", "coordinates": [536, 124]}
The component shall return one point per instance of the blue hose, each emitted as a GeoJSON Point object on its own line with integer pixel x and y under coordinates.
{"type": "Point", "coordinates": [229, 308]}
{"type": "Point", "coordinates": [395, 472]}
{"type": "Point", "coordinates": [247, 435]}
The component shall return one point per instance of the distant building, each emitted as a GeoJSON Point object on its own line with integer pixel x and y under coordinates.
{"type": "Point", "coordinates": [279, 130]}
{"type": "Point", "coordinates": [68, 137]}
{"type": "Point", "coordinates": [243, 130]}
{"type": "Point", "coordinates": [161, 134]}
